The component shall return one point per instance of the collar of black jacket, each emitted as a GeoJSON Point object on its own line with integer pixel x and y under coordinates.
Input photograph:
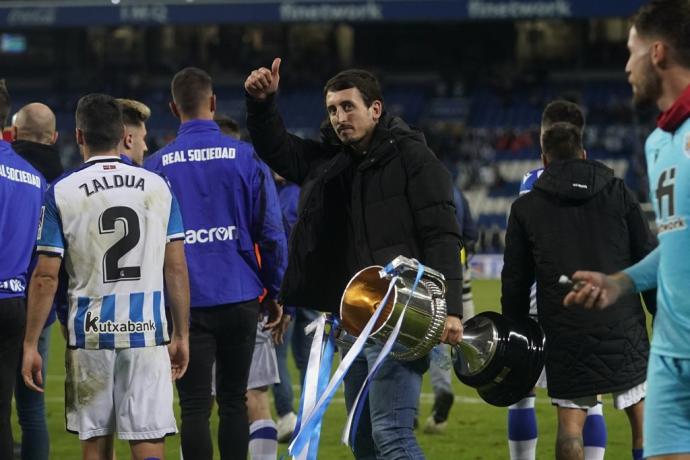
{"type": "Point", "coordinates": [388, 131]}
{"type": "Point", "coordinates": [574, 179]}
{"type": "Point", "coordinates": [45, 158]}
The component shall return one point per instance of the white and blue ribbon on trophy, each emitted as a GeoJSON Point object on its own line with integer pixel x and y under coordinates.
{"type": "Point", "coordinates": [350, 431]}
{"type": "Point", "coordinates": [305, 441]}
{"type": "Point", "coordinates": [312, 419]}
{"type": "Point", "coordinates": [315, 379]}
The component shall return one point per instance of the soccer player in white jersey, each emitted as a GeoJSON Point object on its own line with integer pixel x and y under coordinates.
{"type": "Point", "coordinates": [118, 230]}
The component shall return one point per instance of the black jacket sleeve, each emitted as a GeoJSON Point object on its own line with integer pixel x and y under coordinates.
{"type": "Point", "coordinates": [430, 195]}
{"type": "Point", "coordinates": [518, 269]}
{"type": "Point", "coordinates": [642, 241]}
{"type": "Point", "coordinates": [288, 155]}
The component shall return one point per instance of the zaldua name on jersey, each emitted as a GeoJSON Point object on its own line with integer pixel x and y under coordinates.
{"type": "Point", "coordinates": [116, 181]}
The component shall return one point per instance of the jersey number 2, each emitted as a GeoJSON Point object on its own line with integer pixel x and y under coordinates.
{"type": "Point", "coordinates": [106, 224]}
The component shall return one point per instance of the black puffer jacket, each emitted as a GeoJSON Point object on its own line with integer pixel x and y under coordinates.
{"type": "Point", "coordinates": [45, 158]}
{"type": "Point", "coordinates": [400, 202]}
{"type": "Point", "coordinates": [579, 217]}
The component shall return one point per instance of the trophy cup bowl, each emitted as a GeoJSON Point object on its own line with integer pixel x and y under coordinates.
{"type": "Point", "coordinates": [424, 319]}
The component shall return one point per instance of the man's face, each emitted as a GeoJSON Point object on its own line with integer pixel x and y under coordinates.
{"type": "Point", "coordinates": [351, 119]}
{"type": "Point", "coordinates": [642, 75]}
{"type": "Point", "coordinates": [136, 142]}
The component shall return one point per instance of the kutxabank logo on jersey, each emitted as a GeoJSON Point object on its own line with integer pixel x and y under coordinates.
{"type": "Point", "coordinates": [209, 235]}
{"type": "Point", "coordinates": [93, 324]}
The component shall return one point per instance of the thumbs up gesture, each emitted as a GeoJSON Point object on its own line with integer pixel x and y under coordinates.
{"type": "Point", "coordinates": [263, 82]}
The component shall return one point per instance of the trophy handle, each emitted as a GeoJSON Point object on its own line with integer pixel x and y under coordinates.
{"type": "Point", "coordinates": [477, 347]}
{"type": "Point", "coordinates": [402, 264]}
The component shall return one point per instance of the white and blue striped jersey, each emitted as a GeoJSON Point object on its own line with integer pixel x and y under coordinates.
{"type": "Point", "coordinates": [110, 222]}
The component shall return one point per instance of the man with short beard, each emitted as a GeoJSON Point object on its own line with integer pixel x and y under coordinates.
{"type": "Point", "coordinates": [230, 206]}
{"type": "Point", "coordinates": [659, 71]}
{"type": "Point", "coordinates": [371, 191]}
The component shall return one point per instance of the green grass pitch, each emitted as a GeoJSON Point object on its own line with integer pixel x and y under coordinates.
{"type": "Point", "coordinates": [476, 430]}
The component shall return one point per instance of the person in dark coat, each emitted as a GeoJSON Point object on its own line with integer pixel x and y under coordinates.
{"type": "Point", "coordinates": [579, 215]}
{"type": "Point", "coordinates": [371, 191]}
{"type": "Point", "coordinates": [35, 136]}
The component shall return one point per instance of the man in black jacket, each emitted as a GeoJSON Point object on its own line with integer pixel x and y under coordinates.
{"type": "Point", "coordinates": [579, 215]}
{"type": "Point", "coordinates": [371, 190]}
{"type": "Point", "coordinates": [35, 136]}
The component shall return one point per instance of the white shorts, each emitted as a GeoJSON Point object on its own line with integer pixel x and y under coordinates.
{"type": "Point", "coordinates": [264, 368]}
{"type": "Point", "coordinates": [621, 399]}
{"type": "Point", "coordinates": [128, 391]}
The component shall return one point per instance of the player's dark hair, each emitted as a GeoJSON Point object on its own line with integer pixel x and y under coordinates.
{"type": "Point", "coordinates": [5, 104]}
{"type": "Point", "coordinates": [98, 116]}
{"type": "Point", "coordinates": [364, 81]}
{"type": "Point", "coordinates": [670, 21]}
{"type": "Point", "coordinates": [227, 125]}
{"type": "Point", "coordinates": [562, 141]}
{"type": "Point", "coordinates": [562, 111]}
{"type": "Point", "coordinates": [190, 87]}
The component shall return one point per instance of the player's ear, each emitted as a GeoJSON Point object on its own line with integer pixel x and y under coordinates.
{"type": "Point", "coordinates": [127, 141]}
{"type": "Point", "coordinates": [584, 154]}
{"type": "Point", "coordinates": [376, 110]}
{"type": "Point", "coordinates": [173, 109]}
{"type": "Point", "coordinates": [213, 103]}
{"type": "Point", "coordinates": [544, 160]}
{"type": "Point", "coordinates": [79, 135]}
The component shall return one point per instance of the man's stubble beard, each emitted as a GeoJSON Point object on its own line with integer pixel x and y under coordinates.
{"type": "Point", "coordinates": [649, 90]}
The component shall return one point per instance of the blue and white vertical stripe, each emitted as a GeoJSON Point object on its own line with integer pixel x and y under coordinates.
{"type": "Point", "coordinates": [118, 321]}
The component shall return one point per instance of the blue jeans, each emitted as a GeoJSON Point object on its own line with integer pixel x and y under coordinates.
{"type": "Point", "coordinates": [441, 380]}
{"type": "Point", "coordinates": [301, 343]}
{"type": "Point", "coordinates": [386, 428]}
{"type": "Point", "coordinates": [31, 409]}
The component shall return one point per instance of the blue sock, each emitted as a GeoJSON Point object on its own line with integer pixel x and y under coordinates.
{"type": "Point", "coordinates": [594, 434]}
{"type": "Point", "coordinates": [522, 429]}
{"type": "Point", "coordinates": [637, 454]}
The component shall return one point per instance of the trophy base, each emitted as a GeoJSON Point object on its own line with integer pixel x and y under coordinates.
{"type": "Point", "coordinates": [504, 361]}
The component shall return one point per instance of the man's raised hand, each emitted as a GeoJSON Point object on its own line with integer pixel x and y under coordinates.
{"type": "Point", "coordinates": [263, 82]}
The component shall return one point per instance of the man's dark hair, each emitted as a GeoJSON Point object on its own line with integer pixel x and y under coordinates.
{"type": "Point", "coordinates": [670, 21]}
{"type": "Point", "coordinates": [98, 116]}
{"type": "Point", "coordinates": [4, 103]}
{"type": "Point", "coordinates": [227, 125]}
{"type": "Point", "coordinates": [562, 141]}
{"type": "Point", "coordinates": [562, 111]}
{"type": "Point", "coordinates": [364, 81]}
{"type": "Point", "coordinates": [190, 87]}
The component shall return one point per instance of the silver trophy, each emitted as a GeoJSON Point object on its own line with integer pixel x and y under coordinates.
{"type": "Point", "coordinates": [502, 359]}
